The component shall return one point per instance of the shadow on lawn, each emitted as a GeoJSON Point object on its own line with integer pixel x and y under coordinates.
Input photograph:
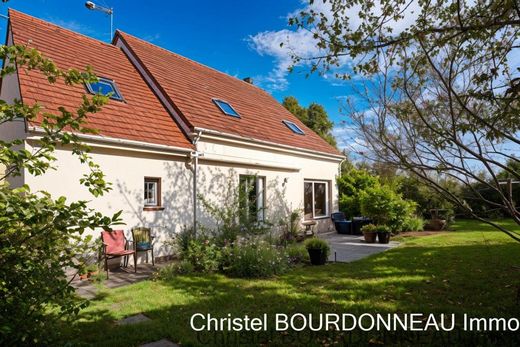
{"type": "Point", "coordinates": [476, 279]}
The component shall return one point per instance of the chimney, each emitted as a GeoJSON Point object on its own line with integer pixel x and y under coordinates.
{"type": "Point", "coordinates": [248, 80]}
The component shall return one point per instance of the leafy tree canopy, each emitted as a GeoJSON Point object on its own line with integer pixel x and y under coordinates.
{"type": "Point", "coordinates": [314, 116]}
{"type": "Point", "coordinates": [41, 236]}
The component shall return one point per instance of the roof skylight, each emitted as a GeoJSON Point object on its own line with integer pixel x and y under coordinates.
{"type": "Point", "coordinates": [295, 129]}
{"type": "Point", "coordinates": [105, 87]}
{"type": "Point", "coordinates": [226, 108]}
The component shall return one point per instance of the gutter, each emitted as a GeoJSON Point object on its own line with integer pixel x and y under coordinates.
{"type": "Point", "coordinates": [165, 149]}
{"type": "Point", "coordinates": [218, 135]}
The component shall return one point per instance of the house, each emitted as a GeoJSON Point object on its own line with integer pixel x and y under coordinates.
{"type": "Point", "coordinates": [173, 129]}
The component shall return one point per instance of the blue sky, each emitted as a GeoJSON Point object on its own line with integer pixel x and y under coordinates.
{"type": "Point", "coordinates": [240, 38]}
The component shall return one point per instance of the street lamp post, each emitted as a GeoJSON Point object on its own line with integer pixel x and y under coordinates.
{"type": "Point", "coordinates": [108, 11]}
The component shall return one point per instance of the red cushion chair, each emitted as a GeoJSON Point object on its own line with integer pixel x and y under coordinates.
{"type": "Point", "coordinates": [115, 245]}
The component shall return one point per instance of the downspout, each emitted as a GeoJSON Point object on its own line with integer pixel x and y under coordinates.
{"type": "Point", "coordinates": [195, 156]}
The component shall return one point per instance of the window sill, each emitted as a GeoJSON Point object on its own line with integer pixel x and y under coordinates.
{"type": "Point", "coordinates": [318, 218]}
{"type": "Point", "coordinates": [153, 208]}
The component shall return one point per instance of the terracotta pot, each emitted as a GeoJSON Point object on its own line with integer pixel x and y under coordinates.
{"type": "Point", "coordinates": [318, 257]}
{"type": "Point", "coordinates": [383, 237]}
{"type": "Point", "coordinates": [370, 237]}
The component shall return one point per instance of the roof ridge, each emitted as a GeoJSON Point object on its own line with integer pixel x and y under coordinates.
{"type": "Point", "coordinates": [192, 61]}
{"type": "Point", "coordinates": [46, 22]}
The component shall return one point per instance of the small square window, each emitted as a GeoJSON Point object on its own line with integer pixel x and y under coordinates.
{"type": "Point", "coordinates": [226, 108]}
{"type": "Point", "coordinates": [106, 87]}
{"type": "Point", "coordinates": [152, 192]}
{"type": "Point", "coordinates": [294, 128]}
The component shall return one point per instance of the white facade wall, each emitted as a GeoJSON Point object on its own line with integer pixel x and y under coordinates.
{"type": "Point", "coordinates": [126, 169]}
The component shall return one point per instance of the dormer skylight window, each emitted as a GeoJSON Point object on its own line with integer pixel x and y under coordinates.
{"type": "Point", "coordinates": [105, 87]}
{"type": "Point", "coordinates": [226, 108]}
{"type": "Point", "coordinates": [295, 129]}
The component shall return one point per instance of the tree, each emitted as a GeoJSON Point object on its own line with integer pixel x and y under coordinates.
{"type": "Point", "coordinates": [440, 95]}
{"type": "Point", "coordinates": [315, 117]}
{"type": "Point", "coordinates": [40, 235]}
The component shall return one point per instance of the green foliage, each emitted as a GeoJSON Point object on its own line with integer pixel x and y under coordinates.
{"type": "Point", "coordinates": [204, 255]}
{"type": "Point", "coordinates": [170, 271]}
{"type": "Point", "coordinates": [425, 196]}
{"type": "Point", "coordinates": [297, 253]}
{"type": "Point", "coordinates": [315, 117]}
{"type": "Point", "coordinates": [316, 243]}
{"type": "Point", "coordinates": [383, 229]}
{"type": "Point", "coordinates": [413, 224]}
{"type": "Point", "coordinates": [254, 259]}
{"type": "Point", "coordinates": [350, 185]}
{"type": "Point", "coordinates": [440, 94]}
{"type": "Point", "coordinates": [369, 228]}
{"type": "Point", "coordinates": [41, 235]}
{"type": "Point", "coordinates": [386, 207]}
{"type": "Point", "coordinates": [232, 219]}
{"type": "Point", "coordinates": [182, 239]}
{"type": "Point", "coordinates": [290, 226]}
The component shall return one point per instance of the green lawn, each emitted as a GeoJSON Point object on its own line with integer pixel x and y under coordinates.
{"type": "Point", "coordinates": [472, 269]}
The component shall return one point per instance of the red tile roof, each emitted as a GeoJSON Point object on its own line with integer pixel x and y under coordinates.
{"type": "Point", "coordinates": [140, 117]}
{"type": "Point", "coordinates": [192, 86]}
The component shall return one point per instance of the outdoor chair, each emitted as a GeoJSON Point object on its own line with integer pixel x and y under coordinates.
{"type": "Point", "coordinates": [115, 245]}
{"type": "Point", "coordinates": [342, 225]}
{"type": "Point", "coordinates": [143, 241]}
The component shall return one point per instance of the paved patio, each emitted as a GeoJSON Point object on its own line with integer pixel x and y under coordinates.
{"type": "Point", "coordinates": [118, 277]}
{"type": "Point", "coordinates": [347, 248]}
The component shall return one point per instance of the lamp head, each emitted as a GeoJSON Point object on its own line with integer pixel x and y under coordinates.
{"type": "Point", "coordinates": [90, 5]}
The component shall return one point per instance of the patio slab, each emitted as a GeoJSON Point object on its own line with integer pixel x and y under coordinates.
{"type": "Point", "coordinates": [138, 318]}
{"type": "Point", "coordinates": [119, 277]}
{"type": "Point", "coordinates": [347, 248]}
{"type": "Point", "coordinates": [161, 343]}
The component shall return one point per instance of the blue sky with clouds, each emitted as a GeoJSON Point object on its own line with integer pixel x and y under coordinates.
{"type": "Point", "coordinates": [240, 38]}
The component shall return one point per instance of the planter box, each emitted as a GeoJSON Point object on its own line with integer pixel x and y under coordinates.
{"type": "Point", "coordinates": [383, 237]}
{"type": "Point", "coordinates": [370, 237]}
{"type": "Point", "coordinates": [318, 257]}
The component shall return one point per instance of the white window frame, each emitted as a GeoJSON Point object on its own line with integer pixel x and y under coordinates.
{"type": "Point", "coordinates": [151, 181]}
{"type": "Point", "coordinates": [217, 101]}
{"type": "Point", "coordinates": [116, 95]}
{"type": "Point", "coordinates": [327, 201]}
{"type": "Point", "coordinates": [260, 186]}
{"type": "Point", "coordinates": [290, 124]}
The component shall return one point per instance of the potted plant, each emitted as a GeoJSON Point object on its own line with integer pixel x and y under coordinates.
{"type": "Point", "coordinates": [92, 270]}
{"type": "Point", "coordinates": [383, 234]}
{"type": "Point", "coordinates": [370, 233]}
{"type": "Point", "coordinates": [318, 250]}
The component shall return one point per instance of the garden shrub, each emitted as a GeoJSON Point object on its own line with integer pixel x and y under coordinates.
{"type": "Point", "coordinates": [182, 267]}
{"type": "Point", "coordinates": [297, 254]}
{"type": "Point", "coordinates": [350, 186]}
{"type": "Point", "coordinates": [413, 224]}
{"type": "Point", "coordinates": [204, 255]}
{"type": "Point", "coordinates": [182, 239]}
{"type": "Point", "coordinates": [386, 207]}
{"type": "Point", "coordinates": [254, 259]}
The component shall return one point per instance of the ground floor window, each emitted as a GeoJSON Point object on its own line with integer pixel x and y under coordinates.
{"type": "Point", "coordinates": [316, 199]}
{"type": "Point", "coordinates": [152, 192]}
{"type": "Point", "coordinates": [252, 197]}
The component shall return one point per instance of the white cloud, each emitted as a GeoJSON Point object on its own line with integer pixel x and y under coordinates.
{"type": "Point", "coordinates": [300, 42]}
{"type": "Point", "coordinates": [282, 45]}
